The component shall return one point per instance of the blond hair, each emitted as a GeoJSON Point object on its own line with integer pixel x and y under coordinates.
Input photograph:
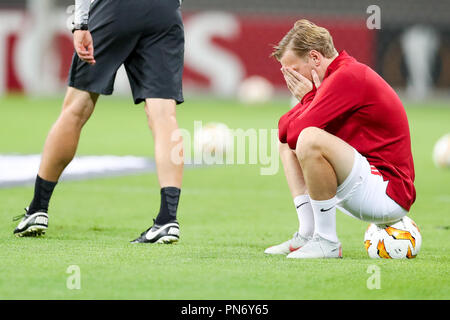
{"type": "Point", "coordinates": [304, 37]}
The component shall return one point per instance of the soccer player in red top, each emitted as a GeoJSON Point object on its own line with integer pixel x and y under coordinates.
{"type": "Point", "coordinates": [346, 144]}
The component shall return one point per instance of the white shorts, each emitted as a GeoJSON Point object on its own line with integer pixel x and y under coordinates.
{"type": "Point", "coordinates": [363, 195]}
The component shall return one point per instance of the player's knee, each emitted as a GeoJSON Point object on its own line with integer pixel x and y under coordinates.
{"type": "Point", "coordinates": [78, 105]}
{"type": "Point", "coordinates": [308, 143]}
{"type": "Point", "coordinates": [160, 113]}
{"type": "Point", "coordinates": [76, 112]}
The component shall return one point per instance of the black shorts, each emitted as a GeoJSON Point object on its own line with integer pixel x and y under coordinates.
{"type": "Point", "coordinates": [147, 36]}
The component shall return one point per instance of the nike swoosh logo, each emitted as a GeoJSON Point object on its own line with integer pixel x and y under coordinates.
{"type": "Point", "coordinates": [151, 234]}
{"type": "Point", "coordinates": [325, 210]}
{"type": "Point", "coordinates": [24, 222]}
{"type": "Point", "coordinates": [302, 204]}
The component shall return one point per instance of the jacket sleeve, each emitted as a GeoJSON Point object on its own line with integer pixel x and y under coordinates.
{"type": "Point", "coordinates": [284, 121]}
{"type": "Point", "coordinates": [339, 94]}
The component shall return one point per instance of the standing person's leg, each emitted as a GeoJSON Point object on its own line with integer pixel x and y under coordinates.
{"type": "Point", "coordinates": [155, 70]}
{"type": "Point", "coordinates": [62, 140]}
{"type": "Point", "coordinates": [161, 116]}
{"type": "Point", "coordinates": [86, 81]}
{"type": "Point", "coordinates": [59, 150]}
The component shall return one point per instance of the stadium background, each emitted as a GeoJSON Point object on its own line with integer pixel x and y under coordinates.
{"type": "Point", "coordinates": [229, 41]}
{"type": "Point", "coordinates": [228, 214]}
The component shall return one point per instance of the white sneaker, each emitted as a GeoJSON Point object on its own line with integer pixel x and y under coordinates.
{"type": "Point", "coordinates": [166, 233]}
{"type": "Point", "coordinates": [289, 246]}
{"type": "Point", "coordinates": [32, 225]}
{"type": "Point", "coordinates": [318, 247]}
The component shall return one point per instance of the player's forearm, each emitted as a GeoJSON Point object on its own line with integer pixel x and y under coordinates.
{"type": "Point", "coordinates": [82, 11]}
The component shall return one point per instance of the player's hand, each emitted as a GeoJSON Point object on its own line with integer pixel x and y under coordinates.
{"type": "Point", "coordinates": [84, 46]}
{"type": "Point", "coordinates": [297, 84]}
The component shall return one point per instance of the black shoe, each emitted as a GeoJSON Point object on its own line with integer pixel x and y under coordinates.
{"type": "Point", "coordinates": [32, 225]}
{"type": "Point", "coordinates": [166, 233]}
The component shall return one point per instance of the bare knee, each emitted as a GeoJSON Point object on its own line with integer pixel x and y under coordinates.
{"type": "Point", "coordinates": [309, 144]}
{"type": "Point", "coordinates": [76, 115]}
{"type": "Point", "coordinates": [160, 113]}
{"type": "Point", "coordinates": [78, 107]}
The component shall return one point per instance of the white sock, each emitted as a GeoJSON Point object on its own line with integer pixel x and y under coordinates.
{"type": "Point", "coordinates": [305, 215]}
{"type": "Point", "coordinates": [325, 218]}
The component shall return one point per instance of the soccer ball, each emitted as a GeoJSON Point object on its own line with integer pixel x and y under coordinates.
{"type": "Point", "coordinates": [441, 152]}
{"type": "Point", "coordinates": [255, 89]}
{"type": "Point", "coordinates": [213, 139]}
{"type": "Point", "coordinates": [396, 241]}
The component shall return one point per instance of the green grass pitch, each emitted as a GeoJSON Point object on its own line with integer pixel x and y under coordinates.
{"type": "Point", "coordinates": [228, 214]}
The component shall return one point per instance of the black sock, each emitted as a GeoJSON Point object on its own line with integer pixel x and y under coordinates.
{"type": "Point", "coordinates": [43, 190]}
{"type": "Point", "coordinates": [169, 204]}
